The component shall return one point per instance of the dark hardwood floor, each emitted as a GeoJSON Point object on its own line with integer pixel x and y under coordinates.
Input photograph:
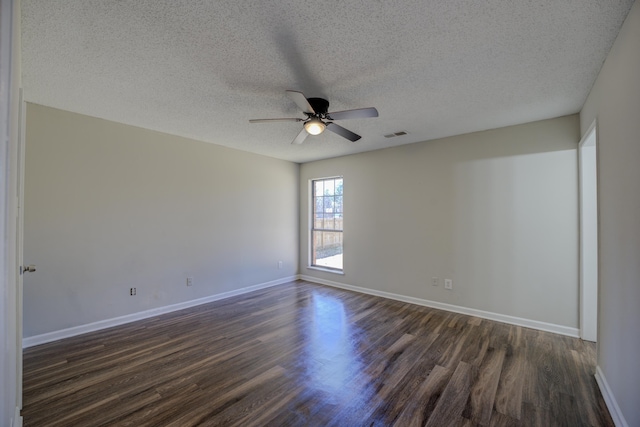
{"type": "Point", "coordinates": [302, 354]}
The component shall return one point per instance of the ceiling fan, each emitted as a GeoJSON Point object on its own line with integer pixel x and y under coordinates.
{"type": "Point", "coordinates": [318, 119]}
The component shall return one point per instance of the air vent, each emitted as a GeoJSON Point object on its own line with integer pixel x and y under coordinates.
{"type": "Point", "coordinates": [393, 135]}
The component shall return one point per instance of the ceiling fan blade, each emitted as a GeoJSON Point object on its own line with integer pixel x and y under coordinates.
{"type": "Point", "coordinates": [301, 101]}
{"type": "Point", "coordinates": [301, 136]}
{"type": "Point", "coordinates": [346, 133]}
{"type": "Point", "coordinates": [292, 119]}
{"type": "Point", "coordinates": [358, 113]}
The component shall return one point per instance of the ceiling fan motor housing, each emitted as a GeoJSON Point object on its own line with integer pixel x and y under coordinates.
{"type": "Point", "coordinates": [320, 106]}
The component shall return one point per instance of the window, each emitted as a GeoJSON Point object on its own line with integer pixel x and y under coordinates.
{"type": "Point", "coordinates": [326, 223]}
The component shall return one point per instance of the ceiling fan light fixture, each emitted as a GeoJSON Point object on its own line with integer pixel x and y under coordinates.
{"type": "Point", "coordinates": [314, 127]}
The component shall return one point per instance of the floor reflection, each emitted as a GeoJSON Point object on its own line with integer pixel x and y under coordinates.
{"type": "Point", "coordinates": [331, 358]}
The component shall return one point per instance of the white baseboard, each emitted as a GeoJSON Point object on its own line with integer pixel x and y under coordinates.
{"type": "Point", "coordinates": [610, 400]}
{"type": "Point", "coordinates": [108, 323]}
{"type": "Point", "coordinates": [17, 418]}
{"type": "Point", "coordinates": [527, 323]}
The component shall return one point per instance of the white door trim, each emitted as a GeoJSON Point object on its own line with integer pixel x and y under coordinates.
{"type": "Point", "coordinates": [589, 259]}
{"type": "Point", "coordinates": [22, 119]}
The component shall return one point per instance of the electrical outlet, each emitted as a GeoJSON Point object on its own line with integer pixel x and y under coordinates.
{"type": "Point", "coordinates": [279, 265]}
{"type": "Point", "coordinates": [189, 281]}
{"type": "Point", "coordinates": [448, 284]}
{"type": "Point", "coordinates": [132, 291]}
{"type": "Point", "coordinates": [435, 281]}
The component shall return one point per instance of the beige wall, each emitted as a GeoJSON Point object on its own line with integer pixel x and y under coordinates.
{"type": "Point", "coordinates": [495, 211]}
{"type": "Point", "coordinates": [110, 206]}
{"type": "Point", "coordinates": [615, 102]}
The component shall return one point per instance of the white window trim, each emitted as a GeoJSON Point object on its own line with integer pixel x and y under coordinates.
{"type": "Point", "coordinates": [310, 266]}
{"type": "Point", "coordinates": [326, 269]}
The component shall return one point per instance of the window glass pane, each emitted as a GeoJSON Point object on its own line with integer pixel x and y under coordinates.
{"type": "Point", "coordinates": [339, 186]}
{"type": "Point", "coordinates": [328, 205]}
{"type": "Point", "coordinates": [329, 187]}
{"type": "Point", "coordinates": [318, 188]}
{"type": "Point", "coordinates": [327, 249]}
{"type": "Point", "coordinates": [319, 205]}
{"type": "Point", "coordinates": [338, 222]}
{"type": "Point", "coordinates": [337, 204]}
{"type": "Point", "coordinates": [329, 223]}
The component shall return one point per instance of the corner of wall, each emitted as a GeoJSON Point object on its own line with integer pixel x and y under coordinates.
{"type": "Point", "coordinates": [609, 399]}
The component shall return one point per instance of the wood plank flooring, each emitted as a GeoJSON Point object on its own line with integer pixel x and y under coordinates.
{"type": "Point", "coordinates": [303, 354]}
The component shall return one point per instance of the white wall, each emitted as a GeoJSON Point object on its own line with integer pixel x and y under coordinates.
{"type": "Point", "coordinates": [615, 102]}
{"type": "Point", "coordinates": [109, 207]}
{"type": "Point", "coordinates": [495, 211]}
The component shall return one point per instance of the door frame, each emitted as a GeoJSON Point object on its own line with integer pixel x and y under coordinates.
{"type": "Point", "coordinates": [22, 118]}
{"type": "Point", "coordinates": [589, 233]}
{"type": "Point", "coordinates": [10, 385]}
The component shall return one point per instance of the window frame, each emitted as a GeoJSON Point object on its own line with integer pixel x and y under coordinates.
{"type": "Point", "coordinates": [312, 229]}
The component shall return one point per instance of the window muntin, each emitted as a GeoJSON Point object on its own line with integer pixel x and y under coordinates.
{"type": "Point", "coordinates": [326, 223]}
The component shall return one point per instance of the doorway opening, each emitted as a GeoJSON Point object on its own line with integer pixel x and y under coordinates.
{"type": "Point", "coordinates": [588, 187]}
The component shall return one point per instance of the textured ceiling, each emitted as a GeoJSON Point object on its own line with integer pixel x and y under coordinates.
{"type": "Point", "coordinates": [202, 69]}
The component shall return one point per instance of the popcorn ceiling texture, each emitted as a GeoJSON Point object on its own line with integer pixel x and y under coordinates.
{"type": "Point", "coordinates": [202, 69]}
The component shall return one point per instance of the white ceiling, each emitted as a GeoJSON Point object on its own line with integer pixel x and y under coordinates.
{"type": "Point", "coordinates": [202, 69]}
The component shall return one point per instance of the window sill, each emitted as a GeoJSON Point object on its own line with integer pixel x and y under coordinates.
{"type": "Point", "coordinates": [326, 270]}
